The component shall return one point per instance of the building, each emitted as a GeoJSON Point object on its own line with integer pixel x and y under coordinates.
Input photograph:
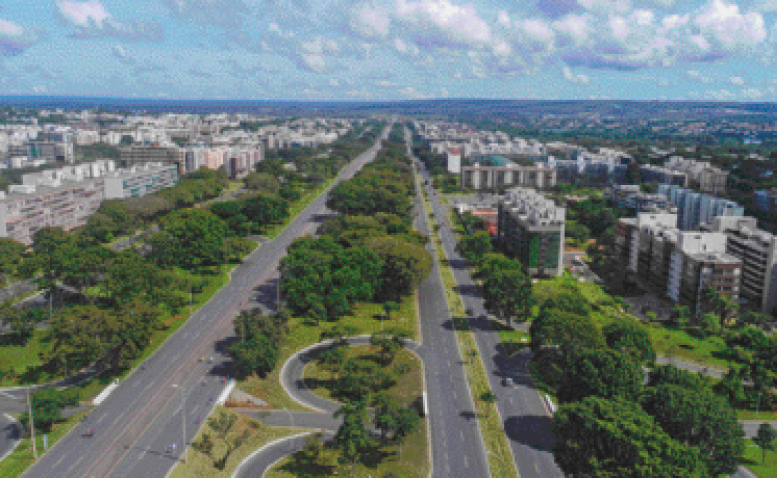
{"type": "Point", "coordinates": [659, 175]}
{"type": "Point", "coordinates": [695, 209]}
{"type": "Point", "coordinates": [139, 180]}
{"type": "Point", "coordinates": [496, 172]}
{"type": "Point", "coordinates": [531, 230]}
{"type": "Point", "coordinates": [65, 203]}
{"type": "Point", "coordinates": [454, 160]}
{"type": "Point", "coordinates": [631, 198]}
{"type": "Point", "coordinates": [757, 249]}
{"type": "Point", "coordinates": [700, 262]}
{"type": "Point", "coordinates": [150, 154]}
{"type": "Point", "coordinates": [701, 174]}
{"type": "Point", "coordinates": [679, 265]}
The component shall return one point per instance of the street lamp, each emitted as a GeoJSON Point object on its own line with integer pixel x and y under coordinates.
{"type": "Point", "coordinates": [183, 421]}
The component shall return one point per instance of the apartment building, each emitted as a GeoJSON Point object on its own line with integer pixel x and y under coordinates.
{"type": "Point", "coordinates": [150, 154]}
{"type": "Point", "coordinates": [454, 160]}
{"type": "Point", "coordinates": [701, 174]}
{"type": "Point", "coordinates": [679, 265]}
{"type": "Point", "coordinates": [65, 203]}
{"type": "Point", "coordinates": [139, 180]}
{"type": "Point", "coordinates": [660, 175]}
{"type": "Point", "coordinates": [630, 197]}
{"type": "Point", "coordinates": [495, 172]}
{"type": "Point", "coordinates": [531, 230]}
{"type": "Point", "coordinates": [757, 249]}
{"type": "Point", "coordinates": [695, 209]}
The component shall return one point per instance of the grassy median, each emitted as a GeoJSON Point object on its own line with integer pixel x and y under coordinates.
{"type": "Point", "coordinates": [500, 458]}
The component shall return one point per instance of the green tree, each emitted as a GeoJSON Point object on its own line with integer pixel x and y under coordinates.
{"type": "Point", "coordinates": [731, 387]}
{"type": "Point", "coordinates": [222, 425]}
{"type": "Point", "coordinates": [388, 344]}
{"type": "Point", "coordinates": [389, 307]}
{"type": "Point", "coordinates": [264, 182]}
{"type": "Point", "coordinates": [231, 212]}
{"type": "Point", "coordinates": [404, 266]}
{"type": "Point", "coordinates": [681, 316]}
{"type": "Point", "coordinates": [129, 276]}
{"type": "Point", "coordinates": [47, 407]}
{"type": "Point", "coordinates": [11, 255]}
{"type": "Point", "coordinates": [614, 438]}
{"type": "Point", "coordinates": [257, 355]}
{"type": "Point", "coordinates": [190, 238]}
{"type": "Point", "coordinates": [488, 397]}
{"type": "Point", "coordinates": [352, 437]}
{"type": "Point", "coordinates": [508, 293]}
{"type": "Point", "coordinates": [701, 419]}
{"type": "Point", "coordinates": [603, 373]}
{"type": "Point", "coordinates": [765, 439]}
{"type": "Point", "coordinates": [79, 336]}
{"type": "Point", "coordinates": [475, 246]}
{"type": "Point", "coordinates": [632, 338]}
{"type": "Point", "coordinates": [671, 375]}
{"type": "Point", "coordinates": [204, 445]}
{"type": "Point", "coordinates": [565, 333]}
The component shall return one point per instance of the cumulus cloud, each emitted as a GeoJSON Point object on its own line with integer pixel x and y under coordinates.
{"type": "Point", "coordinates": [89, 19]}
{"type": "Point", "coordinates": [737, 80]}
{"type": "Point", "coordinates": [570, 76]}
{"type": "Point", "coordinates": [440, 23]}
{"type": "Point", "coordinates": [723, 25]}
{"type": "Point", "coordinates": [15, 39]}
{"type": "Point", "coordinates": [369, 22]}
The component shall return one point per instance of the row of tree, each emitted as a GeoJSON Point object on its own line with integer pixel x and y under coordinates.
{"type": "Point", "coordinates": [610, 422]}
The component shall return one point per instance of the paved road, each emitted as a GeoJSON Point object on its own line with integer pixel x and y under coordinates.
{"type": "Point", "coordinates": [457, 448]}
{"type": "Point", "coordinates": [10, 434]}
{"type": "Point", "coordinates": [524, 414]}
{"type": "Point", "coordinates": [144, 415]}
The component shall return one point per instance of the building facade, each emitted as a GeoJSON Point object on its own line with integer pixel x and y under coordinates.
{"type": "Point", "coordinates": [531, 230]}
{"type": "Point", "coordinates": [695, 209]}
{"type": "Point", "coordinates": [660, 175]}
{"type": "Point", "coordinates": [757, 249]}
{"type": "Point", "coordinates": [498, 172]}
{"type": "Point", "coordinates": [139, 180]}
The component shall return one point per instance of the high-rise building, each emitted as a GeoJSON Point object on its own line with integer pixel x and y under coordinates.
{"type": "Point", "coordinates": [695, 209]}
{"type": "Point", "coordinates": [757, 249]}
{"type": "Point", "coordinates": [531, 230]}
{"type": "Point", "coordinates": [660, 175]}
{"type": "Point", "coordinates": [454, 160]}
{"type": "Point", "coordinates": [139, 180]}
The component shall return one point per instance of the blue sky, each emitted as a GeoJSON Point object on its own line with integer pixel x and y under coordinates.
{"type": "Point", "coordinates": [391, 49]}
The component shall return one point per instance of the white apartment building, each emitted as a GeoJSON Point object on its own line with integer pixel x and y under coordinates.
{"type": "Point", "coordinates": [454, 160]}
{"type": "Point", "coordinates": [757, 249]}
{"type": "Point", "coordinates": [139, 180]}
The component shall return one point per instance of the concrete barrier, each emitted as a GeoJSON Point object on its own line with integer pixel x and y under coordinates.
{"type": "Point", "coordinates": [106, 392]}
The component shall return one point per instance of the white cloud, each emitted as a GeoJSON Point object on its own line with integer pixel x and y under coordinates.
{"type": "Point", "coordinates": [412, 93]}
{"type": "Point", "coordinates": [369, 22]}
{"type": "Point", "coordinates": [724, 24]}
{"type": "Point", "coordinates": [440, 23]}
{"type": "Point", "coordinates": [737, 80]}
{"type": "Point", "coordinates": [226, 14]}
{"type": "Point", "coordinates": [15, 39]}
{"type": "Point", "coordinates": [752, 93]}
{"type": "Point", "coordinates": [574, 78]}
{"type": "Point", "coordinates": [90, 20]}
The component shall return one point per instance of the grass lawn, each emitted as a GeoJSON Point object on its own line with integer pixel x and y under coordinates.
{"type": "Point", "coordinates": [500, 459]}
{"type": "Point", "coordinates": [379, 461]}
{"type": "Point", "coordinates": [17, 462]}
{"type": "Point", "coordinates": [409, 386]}
{"type": "Point", "coordinates": [200, 465]}
{"type": "Point", "coordinates": [365, 318]}
{"type": "Point", "coordinates": [752, 460]}
{"type": "Point", "coordinates": [679, 344]}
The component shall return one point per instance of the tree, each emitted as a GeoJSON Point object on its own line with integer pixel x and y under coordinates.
{"type": "Point", "coordinates": [564, 332]}
{"type": "Point", "coordinates": [264, 182]}
{"type": "Point", "coordinates": [11, 254]}
{"type": "Point", "coordinates": [508, 293]}
{"type": "Point", "coordinates": [263, 210]}
{"type": "Point", "coordinates": [47, 406]}
{"type": "Point", "coordinates": [204, 445]}
{"type": "Point", "coordinates": [488, 397]}
{"type": "Point", "coordinates": [731, 387]}
{"type": "Point", "coordinates": [632, 338]}
{"type": "Point", "coordinates": [614, 438]}
{"type": "Point", "coordinates": [765, 439]}
{"type": "Point", "coordinates": [231, 212]}
{"type": "Point", "coordinates": [388, 343]}
{"type": "Point", "coordinates": [475, 246]}
{"type": "Point", "coordinates": [352, 436]}
{"type": "Point", "coordinates": [129, 276]}
{"type": "Point", "coordinates": [681, 316]}
{"type": "Point", "coordinates": [603, 373]}
{"type": "Point", "coordinates": [709, 324]}
{"type": "Point", "coordinates": [190, 238]}
{"type": "Point", "coordinates": [698, 418]}
{"type": "Point", "coordinates": [404, 266]}
{"type": "Point", "coordinates": [258, 355]}
{"type": "Point", "coordinates": [79, 336]}
{"type": "Point", "coordinates": [671, 375]}
{"type": "Point", "coordinates": [390, 306]}
{"type": "Point", "coordinates": [221, 425]}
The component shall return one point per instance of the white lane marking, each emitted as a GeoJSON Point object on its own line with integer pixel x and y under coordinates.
{"type": "Point", "coordinates": [466, 462]}
{"type": "Point", "coordinates": [100, 419]}
{"type": "Point", "coordinates": [56, 464]}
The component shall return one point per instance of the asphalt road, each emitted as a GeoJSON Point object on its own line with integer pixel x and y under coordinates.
{"type": "Point", "coordinates": [144, 415]}
{"type": "Point", "coordinates": [524, 414]}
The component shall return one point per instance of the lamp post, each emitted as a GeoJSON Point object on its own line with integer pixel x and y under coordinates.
{"type": "Point", "coordinates": [183, 421]}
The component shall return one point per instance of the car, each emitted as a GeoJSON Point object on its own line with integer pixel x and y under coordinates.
{"type": "Point", "coordinates": [507, 382]}
{"type": "Point", "coordinates": [469, 312]}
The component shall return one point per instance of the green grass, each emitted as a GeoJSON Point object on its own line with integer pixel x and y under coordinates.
{"type": "Point", "coordinates": [680, 345]}
{"type": "Point", "coordinates": [752, 460]}
{"type": "Point", "coordinates": [499, 455]}
{"type": "Point", "coordinates": [200, 465]}
{"type": "Point", "coordinates": [365, 318]}
{"type": "Point", "coordinates": [409, 386]}
{"type": "Point", "coordinates": [21, 458]}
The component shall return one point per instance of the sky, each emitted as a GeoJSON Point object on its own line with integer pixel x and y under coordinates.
{"type": "Point", "coordinates": [391, 49]}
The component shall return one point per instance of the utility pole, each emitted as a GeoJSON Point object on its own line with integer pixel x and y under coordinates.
{"type": "Point", "coordinates": [32, 425]}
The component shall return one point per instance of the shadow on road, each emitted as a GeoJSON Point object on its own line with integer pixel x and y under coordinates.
{"type": "Point", "coordinates": [531, 430]}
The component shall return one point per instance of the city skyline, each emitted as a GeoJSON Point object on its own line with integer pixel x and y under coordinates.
{"type": "Point", "coordinates": [717, 50]}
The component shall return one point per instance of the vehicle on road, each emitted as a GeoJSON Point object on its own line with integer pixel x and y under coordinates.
{"type": "Point", "coordinates": [507, 382]}
{"type": "Point", "coordinates": [469, 312]}
{"type": "Point", "coordinates": [88, 433]}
